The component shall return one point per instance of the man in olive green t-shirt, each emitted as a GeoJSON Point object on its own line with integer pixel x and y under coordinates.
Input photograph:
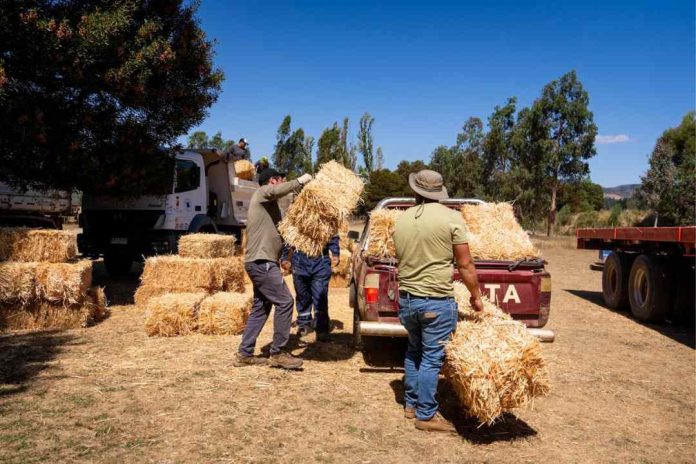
{"type": "Point", "coordinates": [428, 238]}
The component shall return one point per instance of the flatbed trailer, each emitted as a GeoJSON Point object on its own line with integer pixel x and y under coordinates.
{"type": "Point", "coordinates": [650, 269]}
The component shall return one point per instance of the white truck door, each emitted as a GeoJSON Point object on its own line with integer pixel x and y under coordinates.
{"type": "Point", "coordinates": [189, 198]}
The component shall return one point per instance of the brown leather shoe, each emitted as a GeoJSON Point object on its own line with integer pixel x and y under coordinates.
{"type": "Point", "coordinates": [409, 413]}
{"type": "Point", "coordinates": [241, 361]}
{"type": "Point", "coordinates": [284, 360]}
{"type": "Point", "coordinates": [437, 423]}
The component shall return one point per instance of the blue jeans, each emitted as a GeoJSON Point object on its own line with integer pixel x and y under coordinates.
{"type": "Point", "coordinates": [430, 323]}
{"type": "Point", "coordinates": [312, 291]}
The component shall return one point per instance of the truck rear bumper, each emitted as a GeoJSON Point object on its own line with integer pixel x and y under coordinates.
{"type": "Point", "coordinates": [387, 329]}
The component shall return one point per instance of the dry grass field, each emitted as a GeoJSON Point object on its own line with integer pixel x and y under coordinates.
{"type": "Point", "coordinates": [621, 392]}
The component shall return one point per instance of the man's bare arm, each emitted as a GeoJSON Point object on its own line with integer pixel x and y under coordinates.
{"type": "Point", "coordinates": [465, 264]}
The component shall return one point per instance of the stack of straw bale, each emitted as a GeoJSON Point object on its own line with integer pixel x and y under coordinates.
{"type": "Point", "coordinates": [244, 169]}
{"type": "Point", "coordinates": [493, 364]}
{"type": "Point", "coordinates": [175, 274]}
{"type": "Point", "coordinates": [41, 286]}
{"type": "Point", "coordinates": [495, 234]}
{"type": "Point", "coordinates": [381, 240]}
{"type": "Point", "coordinates": [207, 246]}
{"type": "Point", "coordinates": [321, 208]}
{"type": "Point", "coordinates": [202, 291]}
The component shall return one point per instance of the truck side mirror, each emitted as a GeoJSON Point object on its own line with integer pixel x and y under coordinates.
{"type": "Point", "coordinates": [353, 235]}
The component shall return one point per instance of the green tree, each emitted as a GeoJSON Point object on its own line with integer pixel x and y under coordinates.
{"type": "Point", "coordinates": [198, 139]}
{"type": "Point", "coordinates": [405, 168]}
{"type": "Point", "coordinates": [568, 135]}
{"type": "Point", "coordinates": [669, 185]}
{"type": "Point", "coordinates": [581, 196]}
{"type": "Point", "coordinates": [330, 147]}
{"type": "Point", "coordinates": [379, 162]}
{"type": "Point", "coordinates": [498, 160]}
{"type": "Point", "coordinates": [216, 141]}
{"type": "Point", "coordinates": [365, 141]}
{"type": "Point", "coordinates": [460, 165]}
{"type": "Point", "coordinates": [308, 149]}
{"type": "Point", "coordinates": [91, 91]}
{"type": "Point", "coordinates": [382, 184]}
{"type": "Point", "coordinates": [281, 156]}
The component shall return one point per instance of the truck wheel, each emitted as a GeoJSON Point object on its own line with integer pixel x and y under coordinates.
{"type": "Point", "coordinates": [117, 265]}
{"type": "Point", "coordinates": [357, 338]}
{"type": "Point", "coordinates": [352, 296]}
{"type": "Point", "coordinates": [617, 268]}
{"type": "Point", "coordinates": [648, 289]}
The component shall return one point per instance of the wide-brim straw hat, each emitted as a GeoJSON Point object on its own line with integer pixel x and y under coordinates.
{"type": "Point", "coordinates": [428, 184]}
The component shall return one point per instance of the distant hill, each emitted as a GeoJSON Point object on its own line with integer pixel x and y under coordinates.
{"type": "Point", "coordinates": [620, 191]}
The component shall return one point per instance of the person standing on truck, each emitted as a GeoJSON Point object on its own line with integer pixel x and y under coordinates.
{"type": "Point", "coordinates": [264, 245]}
{"type": "Point", "coordinates": [238, 151]}
{"type": "Point", "coordinates": [262, 164]}
{"type": "Point", "coordinates": [311, 276]}
{"type": "Point", "coordinates": [428, 238]}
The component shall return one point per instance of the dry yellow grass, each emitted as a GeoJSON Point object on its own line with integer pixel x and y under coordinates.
{"type": "Point", "coordinates": [207, 246]}
{"type": "Point", "coordinates": [493, 364]}
{"type": "Point", "coordinates": [381, 240]}
{"type": "Point", "coordinates": [495, 234]}
{"type": "Point", "coordinates": [224, 313]}
{"type": "Point", "coordinates": [244, 169]}
{"type": "Point", "coordinates": [321, 208]}
{"type": "Point", "coordinates": [65, 283]}
{"type": "Point", "coordinates": [40, 314]}
{"type": "Point", "coordinates": [29, 245]}
{"type": "Point", "coordinates": [173, 314]}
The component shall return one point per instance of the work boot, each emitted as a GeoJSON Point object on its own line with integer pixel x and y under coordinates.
{"type": "Point", "coordinates": [284, 360]}
{"type": "Point", "coordinates": [324, 337]}
{"type": "Point", "coordinates": [409, 413]}
{"type": "Point", "coordinates": [437, 423]}
{"type": "Point", "coordinates": [241, 360]}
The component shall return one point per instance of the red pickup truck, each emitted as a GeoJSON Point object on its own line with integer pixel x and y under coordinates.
{"type": "Point", "coordinates": [521, 288]}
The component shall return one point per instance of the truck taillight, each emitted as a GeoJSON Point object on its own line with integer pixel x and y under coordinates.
{"type": "Point", "coordinates": [371, 295]}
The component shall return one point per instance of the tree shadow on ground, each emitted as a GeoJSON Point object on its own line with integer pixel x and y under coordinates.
{"type": "Point", "coordinates": [339, 348]}
{"type": "Point", "coordinates": [508, 427]}
{"type": "Point", "coordinates": [119, 290]}
{"type": "Point", "coordinates": [24, 355]}
{"type": "Point", "coordinates": [682, 332]}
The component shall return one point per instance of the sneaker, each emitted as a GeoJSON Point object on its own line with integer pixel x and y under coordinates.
{"type": "Point", "coordinates": [324, 337]}
{"type": "Point", "coordinates": [241, 360]}
{"type": "Point", "coordinates": [409, 413]}
{"type": "Point", "coordinates": [437, 423]}
{"type": "Point", "coordinates": [284, 360]}
{"type": "Point", "coordinates": [303, 331]}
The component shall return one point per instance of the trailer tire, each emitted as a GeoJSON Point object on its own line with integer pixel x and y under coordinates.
{"type": "Point", "coordinates": [117, 265]}
{"type": "Point", "coordinates": [617, 268]}
{"type": "Point", "coordinates": [649, 289]}
{"type": "Point", "coordinates": [357, 338]}
{"type": "Point", "coordinates": [352, 295]}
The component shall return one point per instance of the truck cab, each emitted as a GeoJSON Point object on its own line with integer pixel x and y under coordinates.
{"type": "Point", "coordinates": [206, 196]}
{"type": "Point", "coordinates": [520, 288]}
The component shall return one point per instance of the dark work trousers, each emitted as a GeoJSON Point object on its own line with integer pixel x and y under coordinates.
{"type": "Point", "coordinates": [269, 290]}
{"type": "Point", "coordinates": [311, 279]}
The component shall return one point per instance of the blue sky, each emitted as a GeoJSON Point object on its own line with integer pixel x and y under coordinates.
{"type": "Point", "coordinates": [421, 69]}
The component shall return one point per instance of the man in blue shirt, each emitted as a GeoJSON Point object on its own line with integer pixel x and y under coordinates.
{"type": "Point", "coordinates": [311, 276]}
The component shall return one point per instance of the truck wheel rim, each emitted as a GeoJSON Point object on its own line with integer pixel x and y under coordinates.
{"type": "Point", "coordinates": [641, 290]}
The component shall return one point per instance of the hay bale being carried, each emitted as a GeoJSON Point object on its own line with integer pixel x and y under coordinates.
{"type": "Point", "coordinates": [65, 283]}
{"type": "Point", "coordinates": [224, 313]}
{"type": "Point", "coordinates": [40, 314]}
{"type": "Point", "coordinates": [340, 273]}
{"type": "Point", "coordinates": [173, 314]}
{"type": "Point", "coordinates": [207, 246]}
{"type": "Point", "coordinates": [321, 208]}
{"type": "Point", "coordinates": [381, 234]}
{"type": "Point", "coordinates": [17, 283]}
{"type": "Point", "coordinates": [29, 245]}
{"type": "Point", "coordinates": [495, 234]}
{"type": "Point", "coordinates": [244, 169]}
{"type": "Point", "coordinates": [493, 364]}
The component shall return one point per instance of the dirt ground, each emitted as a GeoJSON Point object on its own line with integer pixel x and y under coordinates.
{"type": "Point", "coordinates": [622, 392]}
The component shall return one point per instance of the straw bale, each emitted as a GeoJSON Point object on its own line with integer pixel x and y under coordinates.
{"type": "Point", "coordinates": [29, 245]}
{"type": "Point", "coordinates": [66, 283]}
{"type": "Point", "coordinates": [343, 266]}
{"type": "Point", "coordinates": [381, 240]}
{"type": "Point", "coordinates": [493, 364]}
{"type": "Point", "coordinates": [244, 169]}
{"type": "Point", "coordinates": [224, 313]}
{"type": "Point", "coordinates": [173, 314]}
{"type": "Point", "coordinates": [145, 292]}
{"type": "Point", "coordinates": [176, 272]}
{"type": "Point", "coordinates": [321, 208]}
{"type": "Point", "coordinates": [338, 281]}
{"type": "Point", "coordinates": [495, 234]}
{"type": "Point", "coordinates": [45, 315]}
{"type": "Point", "coordinates": [17, 282]}
{"type": "Point", "coordinates": [207, 246]}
